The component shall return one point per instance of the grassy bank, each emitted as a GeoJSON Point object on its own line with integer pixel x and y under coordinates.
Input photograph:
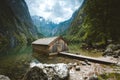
{"type": "Point", "coordinates": [109, 76]}
{"type": "Point", "coordinates": [76, 48]}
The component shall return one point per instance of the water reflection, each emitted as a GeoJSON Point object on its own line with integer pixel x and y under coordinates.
{"type": "Point", "coordinates": [15, 61]}
{"type": "Point", "coordinates": [41, 57]}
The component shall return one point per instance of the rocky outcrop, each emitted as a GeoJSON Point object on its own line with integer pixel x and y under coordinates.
{"type": "Point", "coordinates": [16, 25]}
{"type": "Point", "coordinates": [112, 50]}
{"type": "Point", "coordinates": [2, 77]}
{"type": "Point", "coordinates": [41, 71]}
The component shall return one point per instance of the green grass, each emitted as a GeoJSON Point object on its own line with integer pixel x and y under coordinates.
{"type": "Point", "coordinates": [76, 48]}
{"type": "Point", "coordinates": [109, 76]}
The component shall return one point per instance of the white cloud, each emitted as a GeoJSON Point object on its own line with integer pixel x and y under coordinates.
{"type": "Point", "coordinates": [53, 10]}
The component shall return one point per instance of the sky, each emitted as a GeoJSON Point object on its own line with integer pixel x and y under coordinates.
{"type": "Point", "coordinates": [53, 10]}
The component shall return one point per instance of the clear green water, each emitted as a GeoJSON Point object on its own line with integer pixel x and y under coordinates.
{"type": "Point", "coordinates": [15, 62]}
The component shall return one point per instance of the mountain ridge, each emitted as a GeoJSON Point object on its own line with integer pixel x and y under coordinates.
{"type": "Point", "coordinates": [16, 25]}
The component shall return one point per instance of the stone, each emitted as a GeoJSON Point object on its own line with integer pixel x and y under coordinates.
{"type": "Point", "coordinates": [93, 77]}
{"type": "Point", "coordinates": [35, 73]}
{"type": "Point", "coordinates": [112, 46]}
{"type": "Point", "coordinates": [47, 71]}
{"type": "Point", "coordinates": [62, 70]}
{"type": "Point", "coordinates": [70, 65]}
{"type": "Point", "coordinates": [3, 77]}
{"type": "Point", "coordinates": [87, 62]}
{"type": "Point", "coordinates": [117, 52]}
{"type": "Point", "coordinates": [112, 49]}
{"type": "Point", "coordinates": [83, 63]}
{"type": "Point", "coordinates": [108, 50]}
{"type": "Point", "coordinates": [85, 78]}
{"type": "Point", "coordinates": [75, 64]}
{"type": "Point", "coordinates": [116, 56]}
{"type": "Point", "coordinates": [118, 46]}
{"type": "Point", "coordinates": [77, 68]}
{"type": "Point", "coordinates": [56, 77]}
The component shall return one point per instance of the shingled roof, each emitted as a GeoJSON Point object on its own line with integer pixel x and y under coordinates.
{"type": "Point", "coordinates": [45, 41]}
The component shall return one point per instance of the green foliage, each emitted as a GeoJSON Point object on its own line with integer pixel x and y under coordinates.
{"type": "Point", "coordinates": [76, 48]}
{"type": "Point", "coordinates": [109, 76]}
{"type": "Point", "coordinates": [16, 26]}
{"type": "Point", "coordinates": [96, 22]}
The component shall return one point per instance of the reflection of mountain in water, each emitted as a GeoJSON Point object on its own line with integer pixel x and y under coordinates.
{"type": "Point", "coordinates": [15, 61]}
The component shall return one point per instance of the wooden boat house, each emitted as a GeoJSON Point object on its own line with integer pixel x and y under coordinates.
{"type": "Point", "coordinates": [49, 45]}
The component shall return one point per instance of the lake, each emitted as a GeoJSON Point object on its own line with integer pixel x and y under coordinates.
{"type": "Point", "coordinates": [14, 62]}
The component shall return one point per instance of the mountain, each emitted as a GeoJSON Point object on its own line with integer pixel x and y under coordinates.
{"type": "Point", "coordinates": [44, 27]}
{"type": "Point", "coordinates": [48, 28]}
{"type": "Point", "coordinates": [16, 25]}
{"type": "Point", "coordinates": [96, 22]}
{"type": "Point", "coordinates": [63, 26]}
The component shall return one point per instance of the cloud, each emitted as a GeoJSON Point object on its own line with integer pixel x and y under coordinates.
{"type": "Point", "coordinates": [53, 10]}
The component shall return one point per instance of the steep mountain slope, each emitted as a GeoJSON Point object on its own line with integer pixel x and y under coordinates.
{"type": "Point", "coordinates": [16, 26]}
{"type": "Point", "coordinates": [96, 22]}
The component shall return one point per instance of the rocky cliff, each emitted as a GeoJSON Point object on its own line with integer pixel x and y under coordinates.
{"type": "Point", "coordinates": [16, 26]}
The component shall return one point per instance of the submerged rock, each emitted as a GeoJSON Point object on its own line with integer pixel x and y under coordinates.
{"type": "Point", "coordinates": [2, 77]}
{"type": "Point", "coordinates": [47, 72]}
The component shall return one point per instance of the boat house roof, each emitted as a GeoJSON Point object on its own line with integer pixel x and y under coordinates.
{"type": "Point", "coordinates": [45, 41]}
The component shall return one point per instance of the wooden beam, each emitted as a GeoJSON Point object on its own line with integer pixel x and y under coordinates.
{"type": "Point", "coordinates": [80, 57]}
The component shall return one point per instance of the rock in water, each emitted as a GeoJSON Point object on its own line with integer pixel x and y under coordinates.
{"type": "Point", "coordinates": [2, 77]}
{"type": "Point", "coordinates": [47, 72]}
